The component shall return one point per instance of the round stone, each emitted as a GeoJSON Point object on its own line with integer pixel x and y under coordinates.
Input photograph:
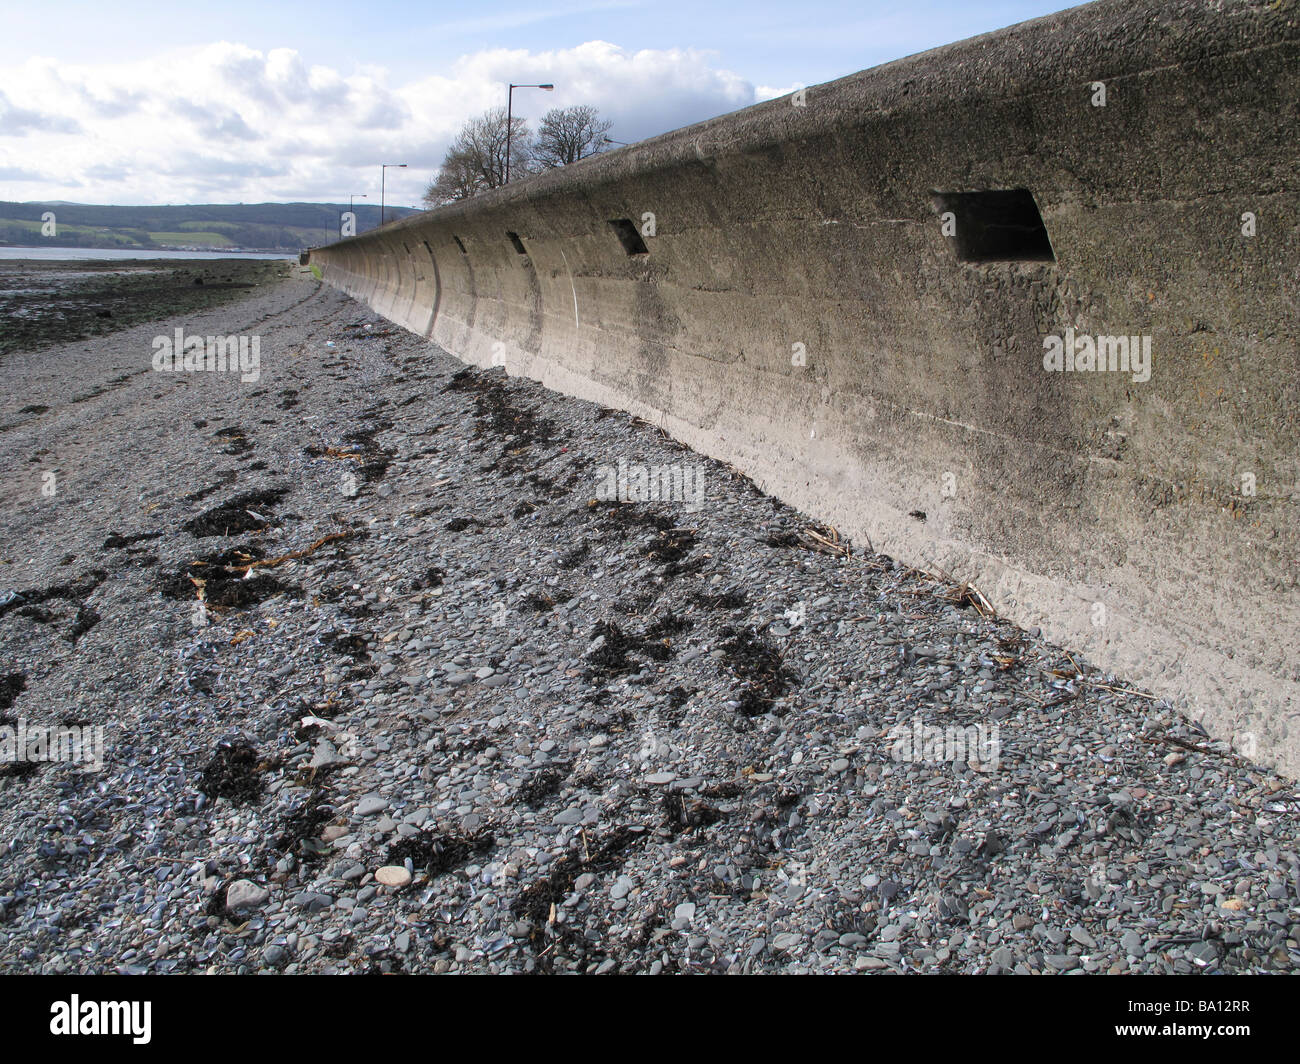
{"type": "Point", "coordinates": [244, 894]}
{"type": "Point", "coordinates": [393, 876]}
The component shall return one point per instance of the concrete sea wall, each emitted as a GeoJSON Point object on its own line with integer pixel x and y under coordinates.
{"type": "Point", "coordinates": [858, 295]}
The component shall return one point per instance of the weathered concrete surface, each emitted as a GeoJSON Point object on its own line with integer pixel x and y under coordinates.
{"type": "Point", "coordinates": [1114, 514]}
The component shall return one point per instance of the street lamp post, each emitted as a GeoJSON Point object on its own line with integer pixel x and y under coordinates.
{"type": "Point", "coordinates": [510, 100]}
{"type": "Point", "coordinates": [383, 173]}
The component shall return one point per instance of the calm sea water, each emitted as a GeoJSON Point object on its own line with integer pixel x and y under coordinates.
{"type": "Point", "coordinates": [69, 254]}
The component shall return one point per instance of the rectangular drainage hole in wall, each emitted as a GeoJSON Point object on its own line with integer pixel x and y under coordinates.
{"type": "Point", "coordinates": [460, 245]}
{"type": "Point", "coordinates": [629, 237]}
{"type": "Point", "coordinates": [519, 244]}
{"type": "Point", "coordinates": [997, 226]}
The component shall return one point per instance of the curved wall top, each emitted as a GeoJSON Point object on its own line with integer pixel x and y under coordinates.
{"type": "Point", "coordinates": [857, 294]}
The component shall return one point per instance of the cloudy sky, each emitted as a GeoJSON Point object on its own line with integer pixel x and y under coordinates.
{"type": "Point", "coordinates": [135, 102]}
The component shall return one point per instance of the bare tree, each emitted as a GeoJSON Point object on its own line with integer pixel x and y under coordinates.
{"type": "Point", "coordinates": [567, 134]}
{"type": "Point", "coordinates": [457, 179]}
{"type": "Point", "coordinates": [476, 160]}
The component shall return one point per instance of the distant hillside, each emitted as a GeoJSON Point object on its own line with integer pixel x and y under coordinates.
{"type": "Point", "coordinates": [204, 226]}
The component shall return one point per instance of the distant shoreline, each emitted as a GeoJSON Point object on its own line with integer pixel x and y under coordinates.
{"type": "Point", "coordinates": [22, 253]}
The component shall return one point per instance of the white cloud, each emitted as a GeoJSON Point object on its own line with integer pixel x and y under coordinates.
{"type": "Point", "coordinates": [767, 92]}
{"type": "Point", "coordinates": [227, 122]}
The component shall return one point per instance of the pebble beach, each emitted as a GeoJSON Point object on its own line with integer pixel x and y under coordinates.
{"type": "Point", "coordinates": [386, 684]}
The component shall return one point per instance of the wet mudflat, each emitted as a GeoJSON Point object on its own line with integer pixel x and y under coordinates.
{"type": "Point", "coordinates": [43, 303]}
